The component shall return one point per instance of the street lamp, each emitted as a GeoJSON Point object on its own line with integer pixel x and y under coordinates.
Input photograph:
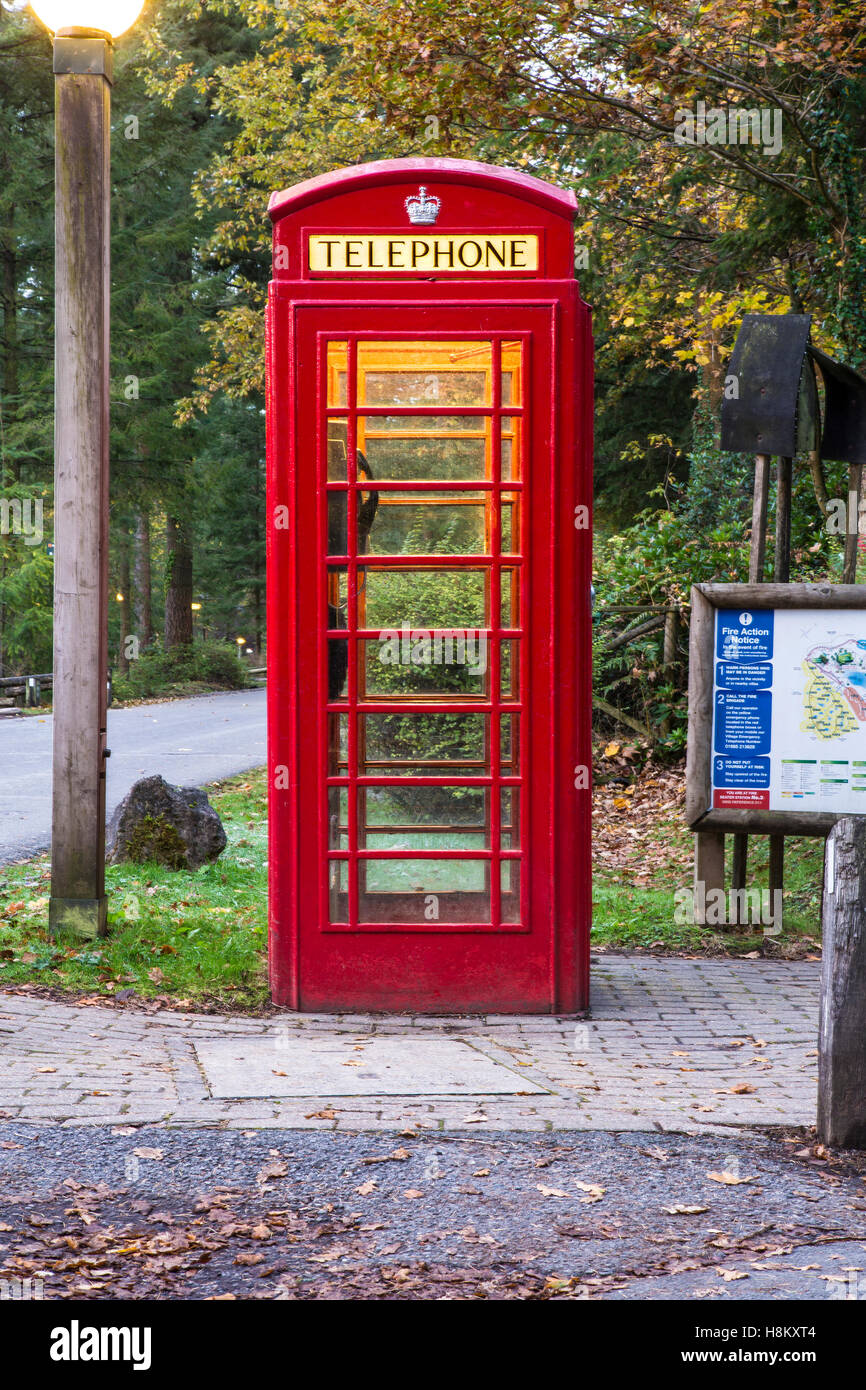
{"type": "Point", "coordinates": [83, 32]}
{"type": "Point", "coordinates": [111, 17]}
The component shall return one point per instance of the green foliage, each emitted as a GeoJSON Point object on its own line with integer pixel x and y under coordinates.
{"type": "Point", "coordinates": [211, 665]}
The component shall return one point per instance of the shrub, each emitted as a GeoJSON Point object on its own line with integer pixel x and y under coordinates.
{"type": "Point", "coordinates": [157, 672]}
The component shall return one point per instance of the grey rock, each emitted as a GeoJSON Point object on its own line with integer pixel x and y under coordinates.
{"type": "Point", "coordinates": [156, 822]}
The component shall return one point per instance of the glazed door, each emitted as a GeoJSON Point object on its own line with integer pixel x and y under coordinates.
{"type": "Point", "coordinates": [423, 485]}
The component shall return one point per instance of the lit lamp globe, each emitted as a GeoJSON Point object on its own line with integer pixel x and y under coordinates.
{"type": "Point", "coordinates": [112, 17]}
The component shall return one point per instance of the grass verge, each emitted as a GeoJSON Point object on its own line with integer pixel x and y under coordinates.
{"type": "Point", "coordinates": [195, 939]}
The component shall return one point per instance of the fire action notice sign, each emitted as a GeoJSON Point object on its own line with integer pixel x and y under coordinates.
{"type": "Point", "coordinates": [789, 710]}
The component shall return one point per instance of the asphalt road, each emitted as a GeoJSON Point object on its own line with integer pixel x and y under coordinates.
{"type": "Point", "coordinates": [190, 742]}
{"type": "Point", "coordinates": [154, 1213]}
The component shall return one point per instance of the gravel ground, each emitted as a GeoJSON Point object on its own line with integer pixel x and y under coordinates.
{"type": "Point", "coordinates": [151, 1212]}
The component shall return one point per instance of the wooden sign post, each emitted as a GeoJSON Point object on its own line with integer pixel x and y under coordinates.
{"type": "Point", "coordinates": [842, 1033]}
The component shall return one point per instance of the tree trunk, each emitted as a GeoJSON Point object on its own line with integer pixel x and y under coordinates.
{"type": "Point", "coordinates": [9, 299]}
{"type": "Point", "coordinates": [125, 581]}
{"type": "Point", "coordinates": [143, 609]}
{"type": "Point", "coordinates": [178, 589]}
{"type": "Point", "coordinates": [818, 482]}
{"type": "Point", "coordinates": [842, 1032]}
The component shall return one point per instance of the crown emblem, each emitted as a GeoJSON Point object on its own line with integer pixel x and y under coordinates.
{"type": "Point", "coordinates": [421, 209]}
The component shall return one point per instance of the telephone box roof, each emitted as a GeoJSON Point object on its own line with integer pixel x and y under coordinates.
{"type": "Point", "coordinates": [387, 171]}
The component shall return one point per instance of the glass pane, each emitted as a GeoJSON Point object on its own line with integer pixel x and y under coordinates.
{"type": "Point", "coordinates": [425, 448]}
{"type": "Point", "coordinates": [426, 810]}
{"type": "Point", "coordinates": [423, 890]}
{"type": "Point", "coordinates": [509, 600]}
{"type": "Point", "coordinates": [338, 668]}
{"type": "Point", "coordinates": [444, 523]}
{"type": "Point", "coordinates": [511, 374]}
{"type": "Point", "coordinates": [430, 665]}
{"type": "Point", "coordinates": [509, 825]}
{"type": "Point", "coordinates": [338, 612]}
{"type": "Point", "coordinates": [416, 744]}
{"type": "Point", "coordinates": [338, 745]}
{"type": "Point", "coordinates": [427, 598]}
{"type": "Point", "coordinates": [338, 890]}
{"type": "Point", "coordinates": [424, 373]}
{"type": "Point", "coordinates": [509, 447]}
{"type": "Point", "coordinates": [509, 685]}
{"type": "Point", "coordinates": [509, 901]}
{"type": "Point", "coordinates": [509, 750]}
{"type": "Point", "coordinates": [337, 373]}
{"type": "Point", "coordinates": [510, 523]}
{"type": "Point", "coordinates": [338, 818]}
{"type": "Point", "coordinates": [338, 434]}
{"type": "Point", "coordinates": [425, 875]}
{"type": "Point", "coordinates": [367, 504]}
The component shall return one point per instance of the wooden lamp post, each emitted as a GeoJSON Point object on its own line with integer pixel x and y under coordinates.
{"type": "Point", "coordinates": [83, 32]}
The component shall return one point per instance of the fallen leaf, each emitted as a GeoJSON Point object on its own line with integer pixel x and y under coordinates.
{"type": "Point", "coordinates": [261, 1232]}
{"type": "Point", "coordinates": [550, 1191]}
{"type": "Point", "coordinates": [595, 1191]}
{"type": "Point", "coordinates": [148, 1153]}
{"type": "Point", "coordinates": [272, 1170]}
{"type": "Point", "coordinates": [366, 1187]}
{"type": "Point", "coordinates": [397, 1156]}
{"type": "Point", "coordinates": [46, 1068]}
{"type": "Point", "coordinates": [731, 1179]}
{"type": "Point", "coordinates": [742, 1089]}
{"type": "Point", "coordinates": [729, 1274]}
{"type": "Point", "coordinates": [249, 1257]}
{"type": "Point", "coordinates": [322, 1115]}
{"type": "Point", "coordinates": [680, 1209]}
{"type": "Point", "coordinates": [412, 1193]}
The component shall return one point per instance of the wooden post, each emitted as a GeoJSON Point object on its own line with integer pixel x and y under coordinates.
{"type": "Point", "coordinates": [82, 65]}
{"type": "Point", "coordinates": [842, 1030]}
{"type": "Point", "coordinates": [669, 652]}
{"type": "Point", "coordinates": [782, 553]}
{"type": "Point", "coordinates": [852, 530]}
{"type": "Point", "coordinates": [739, 860]}
{"type": "Point", "coordinates": [757, 555]}
{"type": "Point", "coordinates": [781, 575]}
{"type": "Point", "coordinates": [709, 873]}
{"type": "Point", "coordinates": [758, 546]}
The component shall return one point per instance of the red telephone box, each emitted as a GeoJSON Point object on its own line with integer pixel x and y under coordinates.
{"type": "Point", "coordinates": [429, 463]}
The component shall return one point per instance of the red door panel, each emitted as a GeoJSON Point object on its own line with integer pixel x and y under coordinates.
{"type": "Point", "coordinates": [425, 614]}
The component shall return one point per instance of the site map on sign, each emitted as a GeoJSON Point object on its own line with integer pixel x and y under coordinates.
{"type": "Point", "coordinates": [834, 698]}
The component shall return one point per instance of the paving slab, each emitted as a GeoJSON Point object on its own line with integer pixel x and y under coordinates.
{"type": "Point", "coordinates": [339, 1067]}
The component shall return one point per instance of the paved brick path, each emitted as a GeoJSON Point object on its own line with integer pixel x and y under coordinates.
{"type": "Point", "coordinates": [676, 1045]}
